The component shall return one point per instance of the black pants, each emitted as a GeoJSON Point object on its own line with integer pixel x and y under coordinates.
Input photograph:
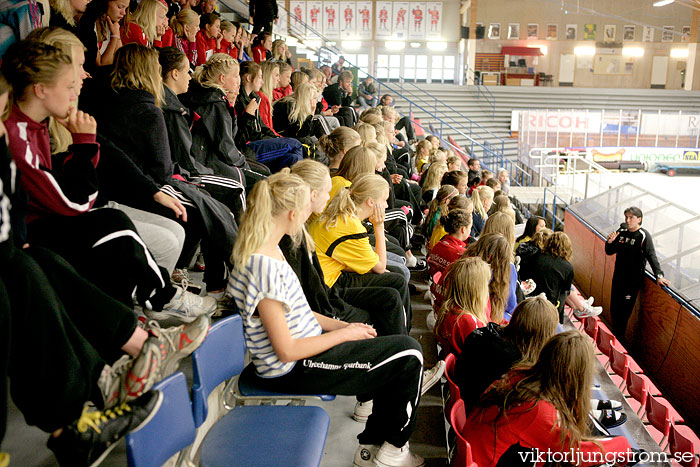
{"type": "Point", "coordinates": [262, 23]}
{"type": "Point", "coordinates": [53, 367]}
{"type": "Point", "coordinates": [389, 279]}
{"type": "Point", "coordinates": [387, 370]}
{"type": "Point", "coordinates": [380, 306]}
{"type": "Point", "coordinates": [346, 116]}
{"type": "Point", "coordinates": [405, 122]}
{"type": "Point", "coordinates": [227, 190]}
{"type": "Point", "coordinates": [105, 249]}
{"type": "Point", "coordinates": [623, 296]}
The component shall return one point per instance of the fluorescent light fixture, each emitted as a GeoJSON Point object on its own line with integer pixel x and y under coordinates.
{"type": "Point", "coordinates": [395, 45]}
{"type": "Point", "coordinates": [663, 2]}
{"type": "Point", "coordinates": [352, 45]}
{"type": "Point", "coordinates": [543, 48]}
{"type": "Point", "coordinates": [415, 45]}
{"type": "Point", "coordinates": [437, 45]}
{"type": "Point", "coordinates": [584, 50]}
{"type": "Point", "coordinates": [679, 53]}
{"type": "Point", "coordinates": [313, 43]}
{"type": "Point", "coordinates": [633, 51]}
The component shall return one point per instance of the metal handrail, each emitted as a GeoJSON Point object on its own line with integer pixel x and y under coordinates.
{"type": "Point", "coordinates": [479, 86]}
{"type": "Point", "coordinates": [553, 211]}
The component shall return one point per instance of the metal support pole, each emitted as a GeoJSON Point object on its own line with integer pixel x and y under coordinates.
{"type": "Point", "coordinates": [619, 127]}
{"type": "Point", "coordinates": [639, 127]}
{"type": "Point", "coordinates": [678, 131]}
{"type": "Point", "coordinates": [602, 126]}
{"type": "Point", "coordinates": [658, 128]}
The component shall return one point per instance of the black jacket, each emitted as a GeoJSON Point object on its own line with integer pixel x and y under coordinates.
{"type": "Point", "coordinates": [554, 277]}
{"type": "Point", "coordinates": [250, 127]}
{"type": "Point", "coordinates": [13, 205]}
{"type": "Point", "coordinates": [213, 134]}
{"type": "Point", "coordinates": [263, 9]}
{"type": "Point", "coordinates": [135, 124]}
{"type": "Point", "coordinates": [334, 95]}
{"type": "Point", "coordinates": [633, 250]}
{"type": "Point", "coordinates": [178, 120]}
{"type": "Point", "coordinates": [284, 126]}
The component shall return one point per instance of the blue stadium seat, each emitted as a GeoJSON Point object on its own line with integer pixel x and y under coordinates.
{"type": "Point", "coordinates": [169, 431]}
{"type": "Point", "coordinates": [251, 435]}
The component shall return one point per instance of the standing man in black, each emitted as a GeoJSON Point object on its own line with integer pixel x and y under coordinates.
{"type": "Point", "coordinates": [634, 247]}
{"type": "Point", "coordinates": [262, 14]}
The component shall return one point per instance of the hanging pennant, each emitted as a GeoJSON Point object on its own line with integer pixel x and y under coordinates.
{"type": "Point", "coordinates": [417, 23]}
{"type": "Point", "coordinates": [384, 15]}
{"type": "Point", "coordinates": [400, 21]}
{"type": "Point", "coordinates": [348, 26]}
{"type": "Point", "coordinates": [364, 19]}
{"type": "Point", "coordinates": [331, 26]}
{"type": "Point", "coordinates": [435, 15]}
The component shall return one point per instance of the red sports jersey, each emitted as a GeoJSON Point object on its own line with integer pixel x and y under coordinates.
{"type": "Point", "coordinates": [383, 15]}
{"type": "Point", "coordinates": [348, 14]}
{"type": "Point", "coordinates": [331, 13]}
{"type": "Point", "coordinates": [434, 15]}
{"type": "Point", "coordinates": [401, 13]}
{"type": "Point", "coordinates": [314, 13]}
{"type": "Point", "coordinates": [417, 14]}
{"type": "Point", "coordinates": [365, 14]}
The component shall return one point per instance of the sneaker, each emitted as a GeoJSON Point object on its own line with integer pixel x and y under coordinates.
{"type": "Point", "coordinates": [417, 265]}
{"type": "Point", "coordinates": [364, 455]}
{"type": "Point", "coordinates": [111, 381]}
{"type": "Point", "coordinates": [199, 264]}
{"type": "Point", "coordinates": [182, 278]}
{"type": "Point", "coordinates": [88, 440]}
{"type": "Point", "coordinates": [185, 307]}
{"type": "Point", "coordinates": [362, 411]}
{"type": "Point", "coordinates": [390, 456]}
{"type": "Point", "coordinates": [597, 404]}
{"type": "Point", "coordinates": [432, 376]}
{"type": "Point", "coordinates": [225, 306]}
{"type": "Point", "coordinates": [589, 300]}
{"type": "Point", "coordinates": [588, 311]}
{"type": "Point", "coordinates": [177, 342]}
{"type": "Point", "coordinates": [143, 373]}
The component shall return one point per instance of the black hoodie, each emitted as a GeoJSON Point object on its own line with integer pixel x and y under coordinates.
{"type": "Point", "coordinates": [250, 127]}
{"type": "Point", "coordinates": [178, 120]}
{"type": "Point", "coordinates": [213, 133]}
{"type": "Point", "coordinates": [137, 126]}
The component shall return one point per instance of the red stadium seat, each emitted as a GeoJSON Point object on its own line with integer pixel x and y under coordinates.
{"type": "Point", "coordinates": [683, 441]}
{"type": "Point", "coordinates": [622, 364]}
{"type": "Point", "coordinates": [463, 456]}
{"type": "Point", "coordinates": [638, 388]}
{"type": "Point", "coordinates": [450, 361]}
{"type": "Point", "coordinates": [660, 415]}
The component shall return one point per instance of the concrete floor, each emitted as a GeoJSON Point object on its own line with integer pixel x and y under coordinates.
{"type": "Point", "coordinates": [27, 445]}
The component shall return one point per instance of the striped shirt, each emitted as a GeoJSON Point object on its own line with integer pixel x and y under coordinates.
{"type": "Point", "coordinates": [266, 277]}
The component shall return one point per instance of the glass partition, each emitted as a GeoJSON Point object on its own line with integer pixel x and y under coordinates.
{"type": "Point", "coordinates": [675, 231]}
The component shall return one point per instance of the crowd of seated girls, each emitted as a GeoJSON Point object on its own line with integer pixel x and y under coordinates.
{"type": "Point", "coordinates": [193, 135]}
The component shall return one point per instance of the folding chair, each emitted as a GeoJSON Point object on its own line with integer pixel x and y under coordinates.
{"type": "Point", "coordinates": [622, 364]}
{"type": "Point", "coordinates": [661, 415]}
{"type": "Point", "coordinates": [682, 440]}
{"type": "Point", "coordinates": [638, 387]}
{"type": "Point", "coordinates": [463, 456]}
{"type": "Point", "coordinates": [267, 435]}
{"type": "Point", "coordinates": [170, 430]}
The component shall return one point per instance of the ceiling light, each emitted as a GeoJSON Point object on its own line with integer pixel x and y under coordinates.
{"type": "Point", "coordinates": [415, 45]}
{"type": "Point", "coordinates": [679, 53]}
{"type": "Point", "coordinates": [395, 45]}
{"type": "Point", "coordinates": [437, 45]}
{"type": "Point", "coordinates": [584, 50]}
{"type": "Point", "coordinates": [663, 2]}
{"type": "Point", "coordinates": [352, 45]}
{"type": "Point", "coordinates": [633, 51]}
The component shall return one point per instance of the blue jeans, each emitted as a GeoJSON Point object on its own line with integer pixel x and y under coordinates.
{"type": "Point", "coordinates": [371, 102]}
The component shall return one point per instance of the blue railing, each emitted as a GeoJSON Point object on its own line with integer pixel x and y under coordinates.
{"type": "Point", "coordinates": [483, 90]}
{"type": "Point", "coordinates": [553, 211]}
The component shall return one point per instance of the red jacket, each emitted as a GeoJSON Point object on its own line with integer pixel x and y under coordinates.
{"type": "Point", "coordinates": [445, 252]}
{"type": "Point", "coordinates": [265, 109]}
{"type": "Point", "coordinates": [68, 191]}
{"type": "Point", "coordinates": [533, 425]}
{"type": "Point", "coordinates": [279, 93]}
{"type": "Point", "coordinates": [204, 45]}
{"type": "Point", "coordinates": [454, 329]}
{"type": "Point", "coordinates": [188, 48]}
{"type": "Point", "coordinates": [259, 53]}
{"type": "Point", "coordinates": [228, 49]}
{"type": "Point", "coordinates": [166, 40]}
{"type": "Point", "coordinates": [134, 33]}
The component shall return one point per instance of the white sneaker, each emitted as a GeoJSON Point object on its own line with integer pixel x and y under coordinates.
{"type": "Point", "coordinates": [362, 411]}
{"type": "Point", "coordinates": [390, 456]}
{"type": "Point", "coordinates": [184, 306]}
{"type": "Point", "coordinates": [432, 376]}
{"type": "Point", "coordinates": [364, 455]}
{"type": "Point", "coordinates": [589, 300]}
{"type": "Point", "coordinates": [588, 311]}
{"type": "Point", "coordinates": [430, 321]}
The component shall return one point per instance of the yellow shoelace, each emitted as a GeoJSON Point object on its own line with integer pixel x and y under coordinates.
{"type": "Point", "coordinates": [96, 418]}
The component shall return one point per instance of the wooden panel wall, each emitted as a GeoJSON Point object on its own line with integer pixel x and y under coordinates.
{"type": "Point", "coordinates": [662, 333]}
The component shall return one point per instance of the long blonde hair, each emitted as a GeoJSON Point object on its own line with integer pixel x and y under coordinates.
{"type": "Point", "coordinates": [302, 107]}
{"type": "Point", "coordinates": [137, 67]}
{"type": "Point", "coordinates": [339, 141]}
{"type": "Point", "coordinates": [312, 172]}
{"type": "Point", "coordinates": [65, 41]}
{"type": "Point", "coordinates": [562, 376]}
{"type": "Point", "coordinates": [268, 69]}
{"type": "Point", "coordinates": [533, 323]}
{"type": "Point", "coordinates": [479, 195]}
{"type": "Point", "coordinates": [503, 224]}
{"type": "Point", "coordinates": [434, 176]}
{"type": "Point", "coordinates": [358, 161]}
{"type": "Point", "coordinates": [467, 290]}
{"type": "Point", "coordinates": [269, 197]}
{"type": "Point", "coordinates": [495, 250]}
{"type": "Point", "coordinates": [145, 17]}
{"type": "Point", "coordinates": [275, 45]}
{"type": "Point", "coordinates": [367, 132]}
{"type": "Point", "coordinates": [183, 18]}
{"type": "Point", "coordinates": [208, 73]}
{"type": "Point", "coordinates": [63, 8]}
{"type": "Point", "coordinates": [345, 203]}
